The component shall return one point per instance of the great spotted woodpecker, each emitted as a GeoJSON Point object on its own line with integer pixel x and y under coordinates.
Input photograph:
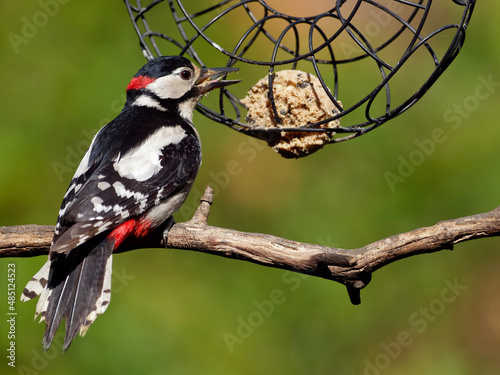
{"type": "Point", "coordinates": [136, 173]}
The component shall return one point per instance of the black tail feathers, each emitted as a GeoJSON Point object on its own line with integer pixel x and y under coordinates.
{"type": "Point", "coordinates": [78, 289]}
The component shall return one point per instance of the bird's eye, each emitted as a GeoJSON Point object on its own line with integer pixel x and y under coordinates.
{"type": "Point", "coordinates": [186, 74]}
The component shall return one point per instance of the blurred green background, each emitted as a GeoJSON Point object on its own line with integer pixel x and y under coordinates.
{"type": "Point", "coordinates": [177, 312]}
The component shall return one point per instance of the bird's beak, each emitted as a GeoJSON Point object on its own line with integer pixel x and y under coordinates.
{"type": "Point", "coordinates": [210, 79]}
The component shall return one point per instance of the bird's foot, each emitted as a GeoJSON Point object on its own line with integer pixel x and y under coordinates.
{"type": "Point", "coordinates": [169, 223]}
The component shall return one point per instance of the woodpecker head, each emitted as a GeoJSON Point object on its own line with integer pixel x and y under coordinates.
{"type": "Point", "coordinates": [173, 83]}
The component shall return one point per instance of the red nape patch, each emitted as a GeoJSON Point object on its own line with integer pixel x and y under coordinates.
{"type": "Point", "coordinates": [139, 82]}
{"type": "Point", "coordinates": [123, 231]}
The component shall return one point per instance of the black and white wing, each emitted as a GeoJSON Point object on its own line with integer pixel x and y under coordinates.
{"type": "Point", "coordinates": [107, 192]}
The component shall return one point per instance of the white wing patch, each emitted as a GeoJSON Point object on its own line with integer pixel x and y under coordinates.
{"type": "Point", "coordinates": [143, 162]}
{"type": "Point", "coordinates": [99, 207]}
{"type": "Point", "coordinates": [122, 192]}
{"type": "Point", "coordinates": [103, 185]}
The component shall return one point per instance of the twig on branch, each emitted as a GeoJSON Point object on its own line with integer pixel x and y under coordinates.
{"type": "Point", "coordinates": [353, 268]}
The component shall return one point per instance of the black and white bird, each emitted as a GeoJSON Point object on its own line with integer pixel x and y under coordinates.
{"type": "Point", "coordinates": [136, 173]}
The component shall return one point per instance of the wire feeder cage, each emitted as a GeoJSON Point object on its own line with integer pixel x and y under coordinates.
{"type": "Point", "coordinates": [374, 59]}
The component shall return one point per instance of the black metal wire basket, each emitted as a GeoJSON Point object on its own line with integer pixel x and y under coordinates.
{"type": "Point", "coordinates": [374, 59]}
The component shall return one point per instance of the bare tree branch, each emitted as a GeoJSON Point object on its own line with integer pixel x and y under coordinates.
{"type": "Point", "coordinates": [352, 268]}
{"type": "Point", "coordinates": [25, 240]}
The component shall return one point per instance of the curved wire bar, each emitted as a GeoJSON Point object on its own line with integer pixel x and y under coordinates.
{"type": "Point", "coordinates": [291, 46]}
